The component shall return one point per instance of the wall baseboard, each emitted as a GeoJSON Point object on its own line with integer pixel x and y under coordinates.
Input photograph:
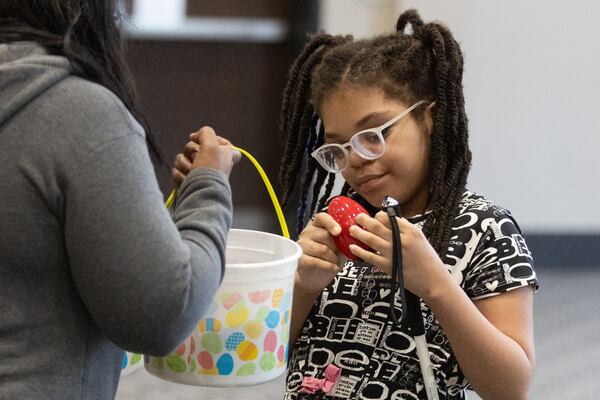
{"type": "Point", "coordinates": [564, 250]}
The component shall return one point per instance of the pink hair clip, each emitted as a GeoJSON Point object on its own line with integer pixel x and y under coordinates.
{"type": "Point", "coordinates": [310, 385]}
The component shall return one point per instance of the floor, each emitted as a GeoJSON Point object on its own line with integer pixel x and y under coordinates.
{"type": "Point", "coordinates": [567, 328]}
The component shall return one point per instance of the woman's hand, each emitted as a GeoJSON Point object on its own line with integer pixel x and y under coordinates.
{"type": "Point", "coordinates": [318, 264]}
{"type": "Point", "coordinates": [420, 261]}
{"type": "Point", "coordinates": [205, 150]}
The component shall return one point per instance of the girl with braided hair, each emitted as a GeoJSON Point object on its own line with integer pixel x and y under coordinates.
{"type": "Point", "coordinates": [463, 255]}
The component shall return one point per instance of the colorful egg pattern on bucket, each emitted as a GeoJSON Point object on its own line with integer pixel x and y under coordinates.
{"type": "Point", "coordinates": [130, 363]}
{"type": "Point", "coordinates": [243, 338]}
{"type": "Point", "coordinates": [250, 339]}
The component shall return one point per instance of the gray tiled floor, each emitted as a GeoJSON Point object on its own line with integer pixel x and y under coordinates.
{"type": "Point", "coordinates": [567, 328]}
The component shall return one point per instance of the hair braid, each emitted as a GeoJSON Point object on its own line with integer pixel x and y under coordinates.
{"type": "Point", "coordinates": [297, 111]}
{"type": "Point", "coordinates": [345, 189]}
{"type": "Point", "coordinates": [411, 17]}
{"type": "Point", "coordinates": [322, 177]}
{"type": "Point", "coordinates": [294, 77]}
{"type": "Point", "coordinates": [318, 185]}
{"type": "Point", "coordinates": [314, 140]}
{"type": "Point", "coordinates": [328, 190]}
{"type": "Point", "coordinates": [450, 157]}
{"type": "Point", "coordinates": [301, 211]}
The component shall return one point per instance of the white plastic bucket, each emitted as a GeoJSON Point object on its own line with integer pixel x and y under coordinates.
{"type": "Point", "coordinates": [243, 340]}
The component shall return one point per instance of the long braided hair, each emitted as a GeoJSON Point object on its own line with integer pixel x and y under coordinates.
{"type": "Point", "coordinates": [426, 63]}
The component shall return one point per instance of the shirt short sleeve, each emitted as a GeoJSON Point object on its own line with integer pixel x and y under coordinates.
{"type": "Point", "coordinates": [501, 261]}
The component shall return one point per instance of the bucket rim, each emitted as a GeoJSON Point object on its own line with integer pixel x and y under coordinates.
{"type": "Point", "coordinates": [285, 260]}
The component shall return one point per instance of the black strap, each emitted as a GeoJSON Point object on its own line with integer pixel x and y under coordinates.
{"type": "Point", "coordinates": [397, 267]}
{"type": "Point", "coordinates": [411, 304]}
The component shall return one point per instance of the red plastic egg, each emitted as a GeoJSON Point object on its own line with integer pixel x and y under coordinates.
{"type": "Point", "coordinates": [344, 211]}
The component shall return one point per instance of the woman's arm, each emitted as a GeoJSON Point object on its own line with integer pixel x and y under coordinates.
{"type": "Point", "coordinates": [145, 278]}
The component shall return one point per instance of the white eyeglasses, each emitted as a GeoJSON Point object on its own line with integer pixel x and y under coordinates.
{"type": "Point", "coordinates": [369, 144]}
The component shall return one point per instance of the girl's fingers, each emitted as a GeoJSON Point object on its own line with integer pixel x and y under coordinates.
{"type": "Point", "coordinates": [373, 225]}
{"type": "Point", "coordinates": [370, 257]}
{"type": "Point", "coordinates": [318, 234]}
{"type": "Point", "coordinates": [313, 248]}
{"type": "Point", "coordinates": [376, 242]}
{"type": "Point", "coordinates": [307, 262]}
{"type": "Point", "coordinates": [326, 221]}
{"type": "Point", "coordinates": [383, 218]}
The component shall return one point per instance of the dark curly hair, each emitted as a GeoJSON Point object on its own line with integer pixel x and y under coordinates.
{"type": "Point", "coordinates": [425, 63]}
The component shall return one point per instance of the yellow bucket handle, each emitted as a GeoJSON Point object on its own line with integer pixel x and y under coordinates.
{"type": "Point", "coordinates": [265, 178]}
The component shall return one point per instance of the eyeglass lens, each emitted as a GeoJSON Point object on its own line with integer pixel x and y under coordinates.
{"type": "Point", "coordinates": [367, 144]}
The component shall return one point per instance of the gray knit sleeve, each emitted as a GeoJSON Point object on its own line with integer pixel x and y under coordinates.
{"type": "Point", "coordinates": [145, 277]}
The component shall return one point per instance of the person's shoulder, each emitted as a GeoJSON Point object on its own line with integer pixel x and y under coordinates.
{"type": "Point", "coordinates": [476, 209]}
{"type": "Point", "coordinates": [488, 249]}
{"type": "Point", "coordinates": [478, 204]}
{"type": "Point", "coordinates": [92, 106]}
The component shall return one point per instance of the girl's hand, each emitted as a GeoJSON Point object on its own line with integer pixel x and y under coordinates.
{"type": "Point", "coordinates": [420, 261]}
{"type": "Point", "coordinates": [205, 149]}
{"type": "Point", "coordinates": [318, 264]}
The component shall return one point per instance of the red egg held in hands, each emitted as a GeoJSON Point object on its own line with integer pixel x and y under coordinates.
{"type": "Point", "coordinates": [344, 211]}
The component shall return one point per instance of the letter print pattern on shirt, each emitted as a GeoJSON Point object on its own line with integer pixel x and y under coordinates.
{"type": "Point", "coordinates": [350, 324]}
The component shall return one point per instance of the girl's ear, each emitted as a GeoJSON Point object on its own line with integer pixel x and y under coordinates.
{"type": "Point", "coordinates": [429, 117]}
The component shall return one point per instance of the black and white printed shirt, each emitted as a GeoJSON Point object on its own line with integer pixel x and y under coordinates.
{"type": "Point", "coordinates": [350, 324]}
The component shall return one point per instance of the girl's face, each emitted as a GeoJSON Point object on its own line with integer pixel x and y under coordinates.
{"type": "Point", "coordinates": [402, 170]}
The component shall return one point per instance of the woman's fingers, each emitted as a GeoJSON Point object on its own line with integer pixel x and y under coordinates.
{"type": "Point", "coordinates": [177, 176]}
{"type": "Point", "coordinates": [190, 150]}
{"type": "Point", "coordinates": [182, 164]}
{"type": "Point", "coordinates": [181, 167]}
{"type": "Point", "coordinates": [223, 141]}
{"type": "Point", "coordinates": [196, 137]}
{"type": "Point", "coordinates": [205, 150]}
{"type": "Point", "coordinates": [236, 156]}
